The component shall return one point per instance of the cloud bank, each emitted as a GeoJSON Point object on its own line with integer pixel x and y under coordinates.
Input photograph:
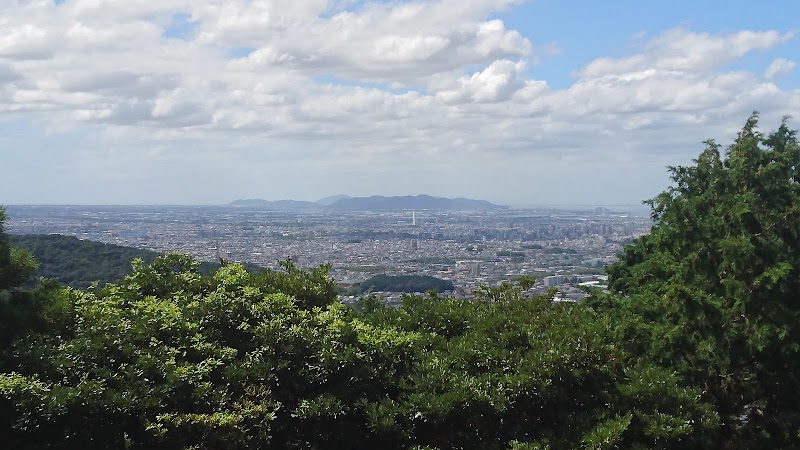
{"type": "Point", "coordinates": [207, 100]}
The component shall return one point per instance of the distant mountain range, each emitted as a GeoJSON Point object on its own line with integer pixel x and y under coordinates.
{"type": "Point", "coordinates": [374, 203]}
{"type": "Point", "coordinates": [379, 202]}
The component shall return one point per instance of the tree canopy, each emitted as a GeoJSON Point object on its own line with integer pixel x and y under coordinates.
{"type": "Point", "coordinates": [712, 291]}
{"type": "Point", "coordinates": [17, 305]}
{"type": "Point", "coordinates": [16, 265]}
{"type": "Point", "coordinates": [170, 358]}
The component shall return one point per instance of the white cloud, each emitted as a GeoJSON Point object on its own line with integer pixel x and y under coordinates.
{"type": "Point", "coordinates": [26, 41]}
{"type": "Point", "coordinates": [495, 83]}
{"type": "Point", "coordinates": [381, 86]}
{"type": "Point", "coordinates": [685, 51]}
{"type": "Point", "coordinates": [779, 67]}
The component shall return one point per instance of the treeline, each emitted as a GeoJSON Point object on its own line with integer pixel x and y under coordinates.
{"type": "Point", "coordinates": [402, 283]}
{"type": "Point", "coordinates": [697, 344]}
{"type": "Point", "coordinates": [170, 358]}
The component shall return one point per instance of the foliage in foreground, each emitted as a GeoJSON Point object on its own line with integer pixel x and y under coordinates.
{"type": "Point", "coordinates": [712, 292]}
{"type": "Point", "coordinates": [18, 307]}
{"type": "Point", "coordinates": [171, 358]}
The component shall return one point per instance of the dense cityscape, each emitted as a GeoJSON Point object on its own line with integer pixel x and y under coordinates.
{"type": "Point", "coordinates": [559, 246]}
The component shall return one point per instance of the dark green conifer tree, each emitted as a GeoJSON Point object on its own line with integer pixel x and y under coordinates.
{"type": "Point", "coordinates": [713, 292]}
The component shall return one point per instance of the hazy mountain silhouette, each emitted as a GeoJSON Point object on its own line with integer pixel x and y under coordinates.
{"type": "Point", "coordinates": [379, 202]}
{"type": "Point", "coordinates": [376, 203]}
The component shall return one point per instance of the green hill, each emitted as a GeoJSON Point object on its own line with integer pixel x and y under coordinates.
{"type": "Point", "coordinates": [405, 283]}
{"type": "Point", "coordinates": [79, 263]}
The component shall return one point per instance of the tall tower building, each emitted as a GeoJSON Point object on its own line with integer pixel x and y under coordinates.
{"type": "Point", "coordinates": [475, 270]}
{"type": "Point", "coordinates": [413, 218]}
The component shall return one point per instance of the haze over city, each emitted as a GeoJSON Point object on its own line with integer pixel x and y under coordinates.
{"type": "Point", "coordinates": [520, 103]}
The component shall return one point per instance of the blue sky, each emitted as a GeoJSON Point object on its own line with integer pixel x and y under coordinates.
{"type": "Point", "coordinates": [587, 29]}
{"type": "Point", "coordinates": [526, 103]}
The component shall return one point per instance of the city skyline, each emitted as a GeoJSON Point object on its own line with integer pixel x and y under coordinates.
{"type": "Point", "coordinates": [514, 102]}
{"type": "Point", "coordinates": [465, 247]}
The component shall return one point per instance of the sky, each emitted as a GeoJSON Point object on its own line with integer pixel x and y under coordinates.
{"type": "Point", "coordinates": [540, 102]}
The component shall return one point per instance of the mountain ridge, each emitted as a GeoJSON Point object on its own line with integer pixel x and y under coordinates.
{"type": "Point", "coordinates": [375, 202]}
{"type": "Point", "coordinates": [423, 201]}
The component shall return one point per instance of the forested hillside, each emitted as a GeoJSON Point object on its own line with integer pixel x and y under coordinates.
{"type": "Point", "coordinates": [79, 263]}
{"type": "Point", "coordinates": [404, 283]}
{"type": "Point", "coordinates": [697, 346]}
